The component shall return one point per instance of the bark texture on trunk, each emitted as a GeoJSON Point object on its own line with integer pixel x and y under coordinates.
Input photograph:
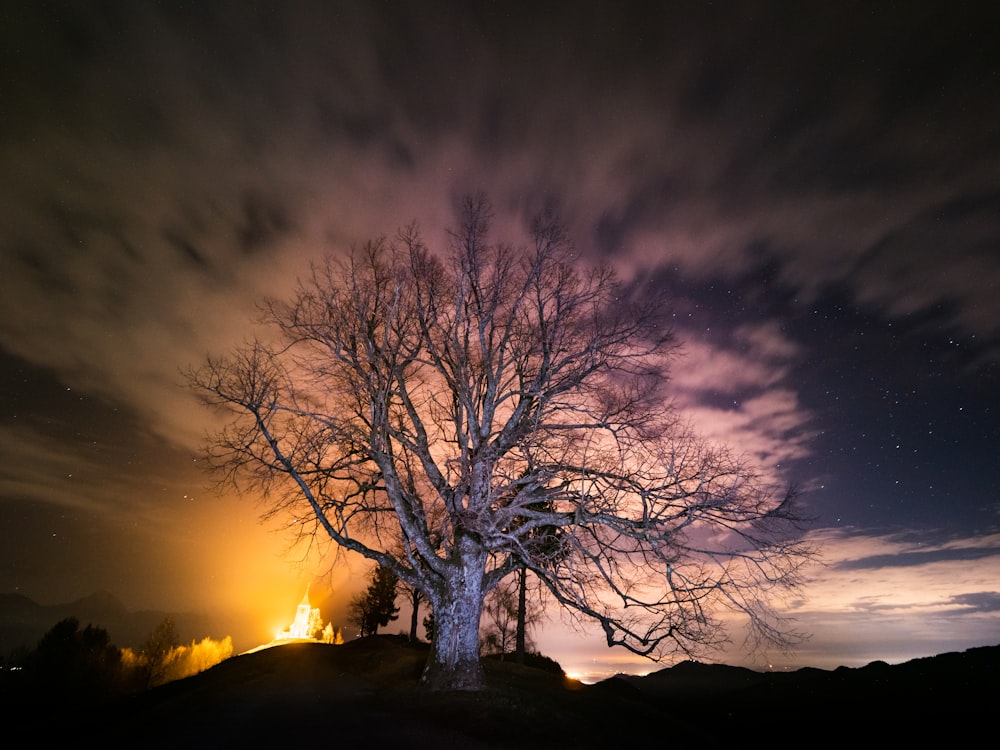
{"type": "Point", "coordinates": [453, 663]}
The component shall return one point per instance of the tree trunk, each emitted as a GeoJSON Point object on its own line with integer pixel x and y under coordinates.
{"type": "Point", "coordinates": [522, 601]}
{"type": "Point", "coordinates": [414, 618]}
{"type": "Point", "coordinates": [453, 662]}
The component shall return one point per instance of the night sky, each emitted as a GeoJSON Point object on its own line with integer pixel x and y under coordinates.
{"type": "Point", "coordinates": [813, 189]}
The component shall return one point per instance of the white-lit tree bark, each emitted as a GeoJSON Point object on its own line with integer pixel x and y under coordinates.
{"type": "Point", "coordinates": [432, 412]}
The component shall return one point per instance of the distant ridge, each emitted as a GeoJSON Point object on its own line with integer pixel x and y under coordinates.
{"type": "Point", "coordinates": [690, 672]}
{"type": "Point", "coordinates": [23, 621]}
{"type": "Point", "coordinates": [954, 688]}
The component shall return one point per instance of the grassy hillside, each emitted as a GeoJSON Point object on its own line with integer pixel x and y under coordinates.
{"type": "Point", "coordinates": [366, 691]}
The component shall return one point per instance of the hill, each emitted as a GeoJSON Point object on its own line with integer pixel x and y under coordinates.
{"type": "Point", "coordinates": [366, 692]}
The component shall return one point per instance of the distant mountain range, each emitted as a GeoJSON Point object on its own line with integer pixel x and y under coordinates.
{"type": "Point", "coordinates": [23, 622]}
{"type": "Point", "coordinates": [955, 691]}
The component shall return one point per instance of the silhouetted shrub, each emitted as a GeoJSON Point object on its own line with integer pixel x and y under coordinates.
{"type": "Point", "coordinates": [532, 659]}
{"type": "Point", "coordinates": [538, 661]}
{"type": "Point", "coordinates": [70, 662]}
{"type": "Point", "coordinates": [150, 668]}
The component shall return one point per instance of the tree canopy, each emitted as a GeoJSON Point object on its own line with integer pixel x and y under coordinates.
{"type": "Point", "coordinates": [457, 415]}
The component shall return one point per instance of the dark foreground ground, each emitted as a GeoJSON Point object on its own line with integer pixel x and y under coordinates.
{"type": "Point", "coordinates": [365, 693]}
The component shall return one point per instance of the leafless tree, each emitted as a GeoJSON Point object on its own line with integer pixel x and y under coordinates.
{"type": "Point", "coordinates": [157, 652]}
{"type": "Point", "coordinates": [417, 408]}
{"type": "Point", "coordinates": [509, 616]}
{"type": "Point", "coordinates": [415, 597]}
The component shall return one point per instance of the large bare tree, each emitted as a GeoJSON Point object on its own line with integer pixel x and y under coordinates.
{"type": "Point", "coordinates": [434, 412]}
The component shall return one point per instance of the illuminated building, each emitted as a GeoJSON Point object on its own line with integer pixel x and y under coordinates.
{"type": "Point", "coordinates": [304, 618]}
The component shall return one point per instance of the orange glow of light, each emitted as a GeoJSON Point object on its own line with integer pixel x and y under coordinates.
{"type": "Point", "coordinates": [244, 575]}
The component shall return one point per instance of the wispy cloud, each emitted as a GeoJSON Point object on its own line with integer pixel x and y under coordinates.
{"type": "Point", "coordinates": [903, 559]}
{"type": "Point", "coordinates": [983, 601]}
{"type": "Point", "coordinates": [739, 394]}
{"type": "Point", "coordinates": [917, 595]}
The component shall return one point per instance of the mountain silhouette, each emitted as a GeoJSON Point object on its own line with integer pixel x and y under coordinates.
{"type": "Point", "coordinates": [953, 693]}
{"type": "Point", "coordinates": [23, 622]}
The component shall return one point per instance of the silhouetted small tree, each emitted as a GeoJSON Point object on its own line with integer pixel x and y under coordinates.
{"type": "Point", "coordinates": [157, 651]}
{"type": "Point", "coordinates": [332, 635]}
{"type": "Point", "coordinates": [508, 617]}
{"type": "Point", "coordinates": [547, 548]}
{"type": "Point", "coordinates": [376, 607]}
{"type": "Point", "coordinates": [416, 598]}
{"type": "Point", "coordinates": [70, 662]}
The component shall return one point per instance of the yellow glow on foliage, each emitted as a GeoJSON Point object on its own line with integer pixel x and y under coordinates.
{"type": "Point", "coordinates": [180, 661]}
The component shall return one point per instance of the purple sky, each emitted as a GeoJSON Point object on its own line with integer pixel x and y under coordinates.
{"type": "Point", "coordinates": [814, 191]}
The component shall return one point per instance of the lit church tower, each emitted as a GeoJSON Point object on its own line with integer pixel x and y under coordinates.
{"type": "Point", "coordinates": [300, 628]}
{"type": "Point", "coordinates": [307, 622]}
